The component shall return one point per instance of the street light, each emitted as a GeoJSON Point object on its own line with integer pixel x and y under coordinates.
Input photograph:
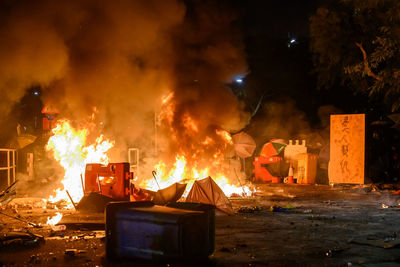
{"type": "Point", "coordinates": [291, 42]}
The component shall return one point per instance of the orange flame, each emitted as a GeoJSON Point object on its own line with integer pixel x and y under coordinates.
{"type": "Point", "coordinates": [55, 219]}
{"type": "Point", "coordinates": [167, 98]}
{"type": "Point", "coordinates": [225, 135]}
{"type": "Point", "coordinates": [190, 124]}
{"type": "Point", "coordinates": [206, 156]}
{"type": "Point", "coordinates": [196, 157]}
{"type": "Point", "coordinates": [69, 149]}
{"type": "Point", "coordinates": [181, 173]}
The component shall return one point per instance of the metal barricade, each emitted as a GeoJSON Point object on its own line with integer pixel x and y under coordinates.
{"type": "Point", "coordinates": [8, 166]}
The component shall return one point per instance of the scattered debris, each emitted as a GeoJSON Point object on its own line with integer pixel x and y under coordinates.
{"type": "Point", "coordinates": [321, 217]}
{"type": "Point", "coordinates": [91, 235]}
{"type": "Point", "coordinates": [35, 259]}
{"type": "Point", "coordinates": [275, 208]}
{"type": "Point", "coordinates": [362, 189]}
{"type": "Point", "coordinates": [388, 242]}
{"type": "Point", "coordinates": [322, 209]}
{"type": "Point", "coordinates": [225, 249]}
{"type": "Point", "coordinates": [330, 203]}
{"type": "Point", "coordinates": [73, 252]}
{"type": "Point", "coordinates": [61, 204]}
{"type": "Point", "coordinates": [20, 238]}
{"type": "Point", "coordinates": [249, 209]}
{"type": "Point", "coordinates": [17, 218]}
{"type": "Point", "coordinates": [53, 257]}
{"type": "Point", "coordinates": [58, 228]}
{"type": "Point", "coordinates": [83, 220]}
{"type": "Point", "coordinates": [7, 195]}
{"type": "Point", "coordinates": [333, 252]}
{"type": "Point", "coordinates": [50, 205]}
{"type": "Point", "coordinates": [394, 235]}
{"type": "Point", "coordinates": [28, 202]}
{"type": "Point", "coordinates": [289, 206]}
{"type": "Point", "coordinates": [252, 256]}
{"type": "Point", "coordinates": [93, 202]}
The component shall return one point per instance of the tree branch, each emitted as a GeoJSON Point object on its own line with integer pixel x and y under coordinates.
{"type": "Point", "coordinates": [367, 69]}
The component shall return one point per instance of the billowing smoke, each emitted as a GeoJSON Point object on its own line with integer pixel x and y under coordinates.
{"type": "Point", "coordinates": [116, 59]}
{"type": "Point", "coordinates": [282, 119]}
{"type": "Point", "coordinates": [209, 52]}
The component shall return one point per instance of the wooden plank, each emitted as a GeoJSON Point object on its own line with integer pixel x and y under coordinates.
{"type": "Point", "coordinates": [347, 149]}
{"type": "Point", "coordinates": [81, 220]}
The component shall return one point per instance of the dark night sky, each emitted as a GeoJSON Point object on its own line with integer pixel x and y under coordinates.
{"type": "Point", "coordinates": [277, 70]}
{"type": "Point", "coordinates": [276, 18]}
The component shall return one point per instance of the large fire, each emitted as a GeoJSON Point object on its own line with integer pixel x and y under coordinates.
{"type": "Point", "coordinates": [193, 160]}
{"type": "Point", "coordinates": [181, 173]}
{"type": "Point", "coordinates": [71, 151]}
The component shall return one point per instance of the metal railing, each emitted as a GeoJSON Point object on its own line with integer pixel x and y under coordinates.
{"type": "Point", "coordinates": [10, 164]}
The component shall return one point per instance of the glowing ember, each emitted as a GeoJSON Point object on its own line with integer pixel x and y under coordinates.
{"type": "Point", "coordinates": [55, 219]}
{"type": "Point", "coordinates": [69, 148]}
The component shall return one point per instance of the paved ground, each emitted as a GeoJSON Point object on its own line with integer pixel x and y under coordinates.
{"type": "Point", "coordinates": [325, 226]}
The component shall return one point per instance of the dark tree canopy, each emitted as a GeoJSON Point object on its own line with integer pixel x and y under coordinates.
{"type": "Point", "coordinates": [356, 43]}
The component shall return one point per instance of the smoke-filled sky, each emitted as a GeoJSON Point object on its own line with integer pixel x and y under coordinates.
{"type": "Point", "coordinates": [120, 57]}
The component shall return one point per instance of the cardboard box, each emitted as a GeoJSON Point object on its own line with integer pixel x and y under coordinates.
{"type": "Point", "coordinates": [306, 168]}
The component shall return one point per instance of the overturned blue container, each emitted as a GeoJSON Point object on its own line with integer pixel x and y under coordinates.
{"type": "Point", "coordinates": [147, 231]}
{"type": "Point", "coordinates": [209, 217]}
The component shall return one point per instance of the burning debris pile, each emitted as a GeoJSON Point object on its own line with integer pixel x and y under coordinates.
{"type": "Point", "coordinates": [70, 149]}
